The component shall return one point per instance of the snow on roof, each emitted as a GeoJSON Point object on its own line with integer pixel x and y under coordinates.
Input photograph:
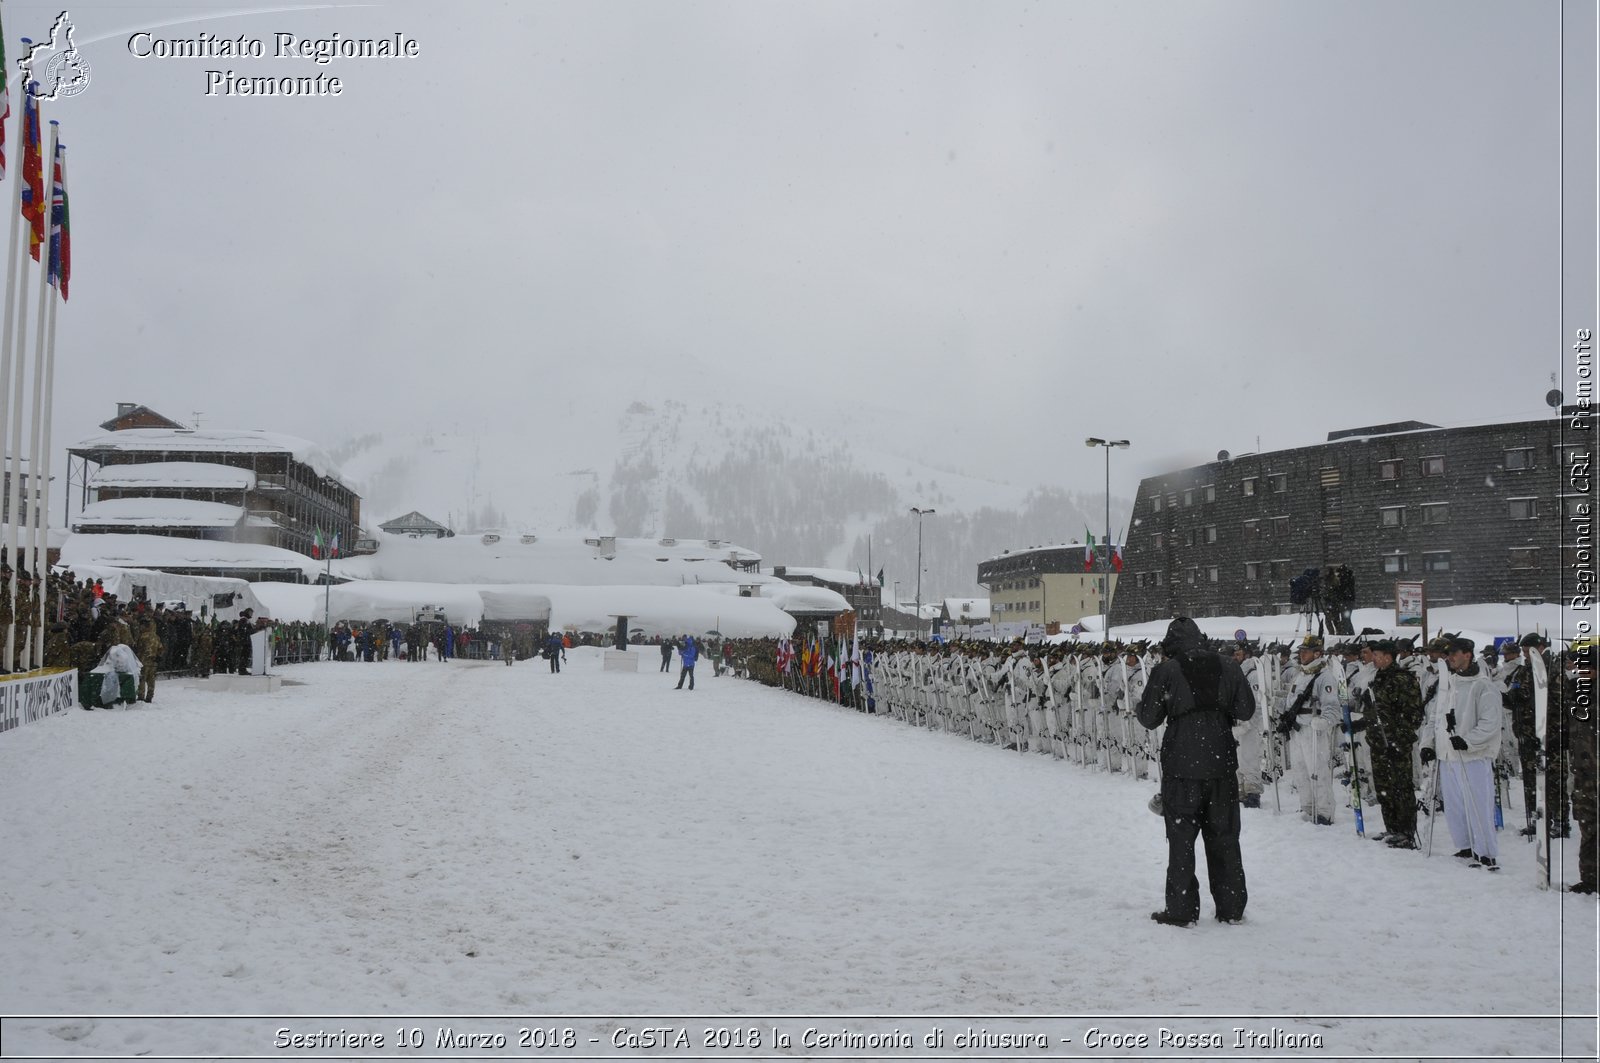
{"type": "Point", "coordinates": [212, 440]}
{"type": "Point", "coordinates": [569, 560]}
{"type": "Point", "coordinates": [185, 474]}
{"type": "Point", "coordinates": [413, 519]}
{"type": "Point", "coordinates": [159, 513]}
{"type": "Point", "coordinates": [650, 610]}
{"type": "Point", "coordinates": [1023, 552]}
{"type": "Point", "coordinates": [172, 551]}
{"type": "Point", "coordinates": [844, 577]}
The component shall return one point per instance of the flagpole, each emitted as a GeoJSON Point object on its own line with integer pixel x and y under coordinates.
{"type": "Point", "coordinates": [327, 594]}
{"type": "Point", "coordinates": [54, 250]}
{"type": "Point", "coordinates": [15, 345]}
{"type": "Point", "coordinates": [14, 467]}
{"type": "Point", "coordinates": [35, 553]}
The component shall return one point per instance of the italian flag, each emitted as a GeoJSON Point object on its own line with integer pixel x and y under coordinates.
{"type": "Point", "coordinates": [316, 545]}
{"type": "Point", "coordinates": [1088, 550]}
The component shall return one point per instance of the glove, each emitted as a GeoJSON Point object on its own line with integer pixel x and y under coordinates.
{"type": "Point", "coordinates": [1458, 742]}
{"type": "Point", "coordinates": [1450, 720]}
{"type": "Point", "coordinates": [1427, 755]}
{"type": "Point", "coordinates": [1357, 726]}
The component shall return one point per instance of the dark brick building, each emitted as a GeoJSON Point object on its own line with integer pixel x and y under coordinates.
{"type": "Point", "coordinates": [1475, 513]}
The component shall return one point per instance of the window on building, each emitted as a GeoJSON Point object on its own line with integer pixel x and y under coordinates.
{"type": "Point", "coordinates": [1280, 526]}
{"type": "Point", "coordinates": [1211, 574]}
{"type": "Point", "coordinates": [1252, 570]}
{"type": "Point", "coordinates": [1524, 557]}
{"type": "Point", "coordinates": [1252, 531]}
{"type": "Point", "coordinates": [1155, 502]}
{"type": "Point", "coordinates": [1158, 540]}
{"type": "Point", "coordinates": [1433, 466]}
{"type": "Point", "coordinates": [1211, 492]}
{"type": "Point", "coordinates": [1188, 537]}
{"type": "Point", "coordinates": [1278, 482]}
{"type": "Point", "coordinates": [1395, 564]}
{"type": "Point", "coordinates": [1389, 470]}
{"type": "Point", "coordinates": [1392, 516]}
{"type": "Point", "coordinates": [1436, 513]}
{"type": "Point", "coordinates": [1249, 485]}
{"type": "Point", "coordinates": [1188, 496]}
{"type": "Point", "coordinates": [1161, 578]}
{"type": "Point", "coordinates": [1519, 458]}
{"type": "Point", "coordinates": [1436, 561]}
{"type": "Point", "coordinates": [1194, 575]}
{"type": "Point", "coordinates": [1211, 533]}
{"type": "Point", "coordinates": [1521, 508]}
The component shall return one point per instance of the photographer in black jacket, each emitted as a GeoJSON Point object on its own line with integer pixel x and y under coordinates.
{"type": "Point", "coordinates": [1199, 695]}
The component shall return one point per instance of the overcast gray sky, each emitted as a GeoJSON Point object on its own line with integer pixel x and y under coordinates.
{"type": "Point", "coordinates": [1193, 223]}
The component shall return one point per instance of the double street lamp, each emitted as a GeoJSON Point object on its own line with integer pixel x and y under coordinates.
{"type": "Point", "coordinates": [920, 514]}
{"type": "Point", "coordinates": [1105, 568]}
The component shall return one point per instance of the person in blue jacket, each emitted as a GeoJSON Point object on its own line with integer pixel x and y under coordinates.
{"type": "Point", "coordinates": [688, 654]}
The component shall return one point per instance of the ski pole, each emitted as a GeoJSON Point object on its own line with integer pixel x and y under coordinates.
{"type": "Point", "coordinates": [1433, 802]}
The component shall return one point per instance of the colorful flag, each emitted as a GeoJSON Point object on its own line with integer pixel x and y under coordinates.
{"type": "Point", "coordinates": [333, 551]}
{"type": "Point", "coordinates": [60, 268]}
{"type": "Point", "coordinates": [32, 176]}
{"type": "Point", "coordinates": [5, 104]}
{"type": "Point", "coordinates": [316, 545]}
{"type": "Point", "coordinates": [1088, 550]}
{"type": "Point", "coordinates": [1116, 556]}
{"type": "Point", "coordinates": [880, 577]}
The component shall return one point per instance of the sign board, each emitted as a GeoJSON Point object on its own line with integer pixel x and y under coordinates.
{"type": "Point", "coordinates": [1411, 605]}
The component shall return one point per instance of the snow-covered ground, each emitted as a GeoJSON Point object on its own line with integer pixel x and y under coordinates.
{"type": "Point", "coordinates": [459, 838]}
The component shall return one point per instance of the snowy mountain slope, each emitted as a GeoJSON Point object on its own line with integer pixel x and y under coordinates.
{"type": "Point", "coordinates": [807, 483]}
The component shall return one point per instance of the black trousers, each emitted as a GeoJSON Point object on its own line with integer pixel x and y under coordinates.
{"type": "Point", "coordinates": [687, 673]}
{"type": "Point", "coordinates": [1209, 808]}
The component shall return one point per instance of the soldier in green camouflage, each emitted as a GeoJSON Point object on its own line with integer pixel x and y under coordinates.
{"type": "Point", "coordinates": [202, 647]}
{"type": "Point", "coordinates": [26, 620]}
{"type": "Point", "coordinates": [147, 644]}
{"type": "Point", "coordinates": [1391, 722]}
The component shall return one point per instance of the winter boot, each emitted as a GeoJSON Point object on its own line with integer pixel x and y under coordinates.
{"type": "Point", "coordinates": [1166, 918]}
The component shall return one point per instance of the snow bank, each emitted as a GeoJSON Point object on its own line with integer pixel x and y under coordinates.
{"type": "Point", "coordinates": [509, 558]}
{"type": "Point", "coordinates": [650, 610]}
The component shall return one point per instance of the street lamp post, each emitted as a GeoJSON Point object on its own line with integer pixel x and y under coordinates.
{"type": "Point", "coordinates": [920, 514]}
{"type": "Point", "coordinates": [1105, 566]}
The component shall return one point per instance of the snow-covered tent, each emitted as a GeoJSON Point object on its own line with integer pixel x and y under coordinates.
{"type": "Point", "coordinates": [513, 604]}
{"type": "Point", "coordinates": [200, 594]}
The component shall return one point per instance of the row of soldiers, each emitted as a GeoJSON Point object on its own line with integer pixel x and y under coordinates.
{"type": "Point", "coordinates": [93, 620]}
{"type": "Point", "coordinates": [1077, 700]}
